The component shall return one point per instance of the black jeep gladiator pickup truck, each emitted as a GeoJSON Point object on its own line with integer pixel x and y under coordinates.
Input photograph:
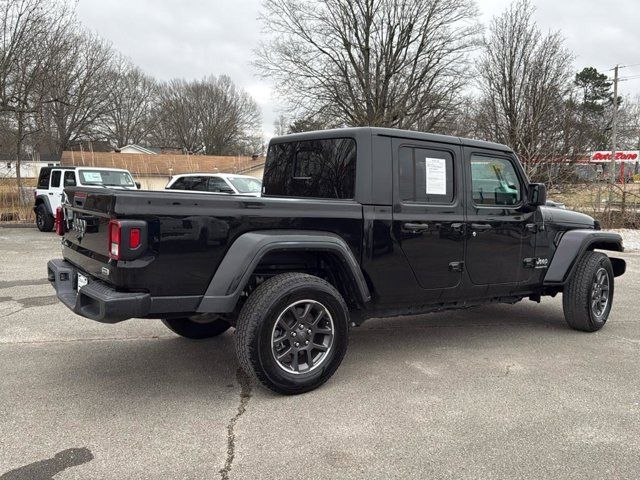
{"type": "Point", "coordinates": [352, 224]}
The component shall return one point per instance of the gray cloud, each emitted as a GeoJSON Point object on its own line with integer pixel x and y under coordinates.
{"type": "Point", "coordinates": [192, 39]}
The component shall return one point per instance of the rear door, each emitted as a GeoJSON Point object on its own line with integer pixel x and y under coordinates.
{"type": "Point", "coordinates": [499, 226]}
{"type": "Point", "coordinates": [428, 215]}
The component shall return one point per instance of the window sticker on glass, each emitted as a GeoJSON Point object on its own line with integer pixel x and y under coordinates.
{"type": "Point", "coordinates": [92, 177]}
{"type": "Point", "coordinates": [436, 171]}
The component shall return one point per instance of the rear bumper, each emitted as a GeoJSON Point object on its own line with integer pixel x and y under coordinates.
{"type": "Point", "coordinates": [96, 300]}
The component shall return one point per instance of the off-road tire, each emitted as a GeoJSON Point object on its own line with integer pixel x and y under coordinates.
{"type": "Point", "coordinates": [576, 298]}
{"type": "Point", "coordinates": [259, 314]}
{"type": "Point", "coordinates": [197, 330]}
{"type": "Point", "coordinates": [44, 220]}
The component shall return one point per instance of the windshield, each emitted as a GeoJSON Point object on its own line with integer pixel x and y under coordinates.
{"type": "Point", "coordinates": [246, 184]}
{"type": "Point", "coordinates": [107, 178]}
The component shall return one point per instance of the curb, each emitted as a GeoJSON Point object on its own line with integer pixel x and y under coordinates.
{"type": "Point", "coordinates": [17, 225]}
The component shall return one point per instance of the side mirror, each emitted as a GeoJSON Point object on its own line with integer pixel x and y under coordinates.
{"type": "Point", "coordinates": [537, 194]}
{"type": "Point", "coordinates": [138, 186]}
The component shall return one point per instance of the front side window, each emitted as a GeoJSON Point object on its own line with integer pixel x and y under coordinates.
{"type": "Point", "coordinates": [494, 181]}
{"type": "Point", "coordinates": [426, 176]}
{"type": "Point", "coordinates": [218, 185]}
{"type": "Point", "coordinates": [70, 179]}
{"type": "Point", "coordinates": [246, 184]}
{"type": "Point", "coordinates": [313, 168]}
{"type": "Point", "coordinates": [107, 178]}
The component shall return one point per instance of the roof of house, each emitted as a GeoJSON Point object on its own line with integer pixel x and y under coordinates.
{"type": "Point", "coordinates": [162, 165]}
{"type": "Point", "coordinates": [139, 149]}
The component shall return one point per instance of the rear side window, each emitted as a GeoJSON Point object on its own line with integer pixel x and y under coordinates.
{"type": "Point", "coordinates": [55, 178]}
{"type": "Point", "coordinates": [43, 179]}
{"type": "Point", "coordinates": [190, 183]}
{"type": "Point", "coordinates": [426, 176]}
{"type": "Point", "coordinates": [314, 168]}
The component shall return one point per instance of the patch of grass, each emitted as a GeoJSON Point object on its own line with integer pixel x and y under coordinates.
{"type": "Point", "coordinates": [616, 206]}
{"type": "Point", "coordinates": [14, 206]}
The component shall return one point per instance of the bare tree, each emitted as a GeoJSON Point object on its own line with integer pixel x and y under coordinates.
{"type": "Point", "coordinates": [130, 103]}
{"type": "Point", "coordinates": [369, 62]}
{"type": "Point", "coordinates": [629, 123]}
{"type": "Point", "coordinates": [211, 116]}
{"type": "Point", "coordinates": [524, 76]}
{"type": "Point", "coordinates": [80, 89]}
{"type": "Point", "coordinates": [230, 117]}
{"type": "Point", "coordinates": [178, 120]}
{"type": "Point", "coordinates": [29, 30]}
{"type": "Point", "coordinates": [281, 125]}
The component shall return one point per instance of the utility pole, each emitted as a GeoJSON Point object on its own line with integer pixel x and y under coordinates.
{"type": "Point", "coordinates": [614, 125]}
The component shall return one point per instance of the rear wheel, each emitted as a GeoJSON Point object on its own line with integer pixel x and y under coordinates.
{"type": "Point", "coordinates": [44, 220]}
{"type": "Point", "coordinates": [292, 333]}
{"type": "Point", "coordinates": [197, 327]}
{"type": "Point", "coordinates": [588, 295]}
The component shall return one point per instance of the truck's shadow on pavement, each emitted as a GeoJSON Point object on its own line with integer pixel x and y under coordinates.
{"type": "Point", "coordinates": [173, 365]}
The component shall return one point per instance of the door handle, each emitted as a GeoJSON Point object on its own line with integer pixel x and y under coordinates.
{"type": "Point", "coordinates": [416, 227]}
{"type": "Point", "coordinates": [457, 227]}
{"type": "Point", "coordinates": [50, 193]}
{"type": "Point", "coordinates": [480, 226]}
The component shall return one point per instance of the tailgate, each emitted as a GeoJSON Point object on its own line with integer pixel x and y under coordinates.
{"type": "Point", "coordinates": [87, 214]}
{"type": "Point", "coordinates": [95, 241]}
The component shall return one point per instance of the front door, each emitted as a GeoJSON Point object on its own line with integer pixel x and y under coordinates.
{"type": "Point", "coordinates": [500, 229]}
{"type": "Point", "coordinates": [428, 217]}
{"type": "Point", "coordinates": [55, 190]}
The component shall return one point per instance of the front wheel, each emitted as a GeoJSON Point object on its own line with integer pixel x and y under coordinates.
{"type": "Point", "coordinates": [292, 333]}
{"type": "Point", "coordinates": [588, 295]}
{"type": "Point", "coordinates": [197, 327]}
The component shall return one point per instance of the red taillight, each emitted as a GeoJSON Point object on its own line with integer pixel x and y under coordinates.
{"type": "Point", "coordinates": [59, 221]}
{"type": "Point", "coordinates": [114, 239]}
{"type": "Point", "coordinates": [134, 238]}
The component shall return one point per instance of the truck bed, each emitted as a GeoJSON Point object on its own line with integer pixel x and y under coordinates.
{"type": "Point", "coordinates": [188, 233]}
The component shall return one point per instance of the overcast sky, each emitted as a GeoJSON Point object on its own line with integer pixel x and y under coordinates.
{"type": "Point", "coordinates": [195, 38]}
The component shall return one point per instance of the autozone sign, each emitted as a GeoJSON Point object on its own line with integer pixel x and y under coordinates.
{"type": "Point", "coordinates": [621, 155]}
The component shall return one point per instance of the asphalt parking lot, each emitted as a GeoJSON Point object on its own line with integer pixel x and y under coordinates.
{"type": "Point", "coordinates": [494, 392]}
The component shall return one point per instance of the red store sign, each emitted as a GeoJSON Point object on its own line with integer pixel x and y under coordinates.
{"type": "Point", "coordinates": [622, 155]}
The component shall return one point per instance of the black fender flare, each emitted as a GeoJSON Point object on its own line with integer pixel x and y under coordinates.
{"type": "Point", "coordinates": [43, 199]}
{"type": "Point", "coordinates": [248, 249]}
{"type": "Point", "coordinates": [572, 246]}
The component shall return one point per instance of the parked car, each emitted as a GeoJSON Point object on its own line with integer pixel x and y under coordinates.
{"type": "Point", "coordinates": [225, 183]}
{"type": "Point", "coordinates": [53, 180]}
{"type": "Point", "coordinates": [553, 203]}
{"type": "Point", "coordinates": [352, 224]}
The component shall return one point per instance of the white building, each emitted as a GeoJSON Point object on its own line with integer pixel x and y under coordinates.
{"type": "Point", "coordinates": [28, 168]}
{"type": "Point", "coordinates": [136, 149]}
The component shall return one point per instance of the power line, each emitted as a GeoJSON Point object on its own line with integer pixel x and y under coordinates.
{"type": "Point", "coordinates": [632, 77]}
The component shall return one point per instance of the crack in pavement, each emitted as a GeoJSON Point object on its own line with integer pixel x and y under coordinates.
{"type": "Point", "coordinates": [245, 396]}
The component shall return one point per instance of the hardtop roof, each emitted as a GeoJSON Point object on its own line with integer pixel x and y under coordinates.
{"type": "Point", "coordinates": [390, 132]}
